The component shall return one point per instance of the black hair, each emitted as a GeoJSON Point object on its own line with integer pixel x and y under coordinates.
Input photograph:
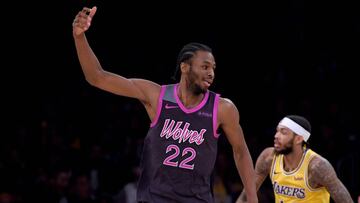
{"type": "Point", "coordinates": [187, 52]}
{"type": "Point", "coordinates": [303, 122]}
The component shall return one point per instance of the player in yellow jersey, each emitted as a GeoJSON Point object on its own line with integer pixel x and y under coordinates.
{"type": "Point", "coordinates": [297, 173]}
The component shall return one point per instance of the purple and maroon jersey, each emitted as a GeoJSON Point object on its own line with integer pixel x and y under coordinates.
{"type": "Point", "coordinates": [180, 150]}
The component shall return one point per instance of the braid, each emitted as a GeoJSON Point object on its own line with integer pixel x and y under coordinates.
{"type": "Point", "coordinates": [186, 54]}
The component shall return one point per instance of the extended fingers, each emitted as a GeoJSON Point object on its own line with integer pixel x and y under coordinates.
{"type": "Point", "coordinates": [86, 11]}
{"type": "Point", "coordinates": [82, 18]}
{"type": "Point", "coordinates": [89, 11]}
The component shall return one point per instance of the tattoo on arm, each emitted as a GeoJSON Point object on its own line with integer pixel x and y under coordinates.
{"type": "Point", "coordinates": [321, 173]}
{"type": "Point", "coordinates": [263, 166]}
{"type": "Point", "coordinates": [262, 169]}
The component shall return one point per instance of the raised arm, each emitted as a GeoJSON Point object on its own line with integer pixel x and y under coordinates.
{"type": "Point", "coordinates": [229, 122]}
{"type": "Point", "coordinates": [321, 173]}
{"type": "Point", "coordinates": [146, 91]}
{"type": "Point", "coordinates": [262, 170]}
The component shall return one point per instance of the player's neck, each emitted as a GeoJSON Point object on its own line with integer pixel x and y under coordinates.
{"type": "Point", "coordinates": [292, 160]}
{"type": "Point", "coordinates": [187, 97]}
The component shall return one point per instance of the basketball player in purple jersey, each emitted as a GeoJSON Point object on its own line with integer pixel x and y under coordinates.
{"type": "Point", "coordinates": [181, 145]}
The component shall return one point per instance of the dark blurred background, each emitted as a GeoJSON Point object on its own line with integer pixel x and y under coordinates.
{"type": "Point", "coordinates": [64, 140]}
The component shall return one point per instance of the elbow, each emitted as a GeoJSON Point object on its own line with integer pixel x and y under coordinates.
{"type": "Point", "coordinates": [242, 154]}
{"type": "Point", "coordinates": [95, 79]}
{"type": "Point", "coordinates": [93, 73]}
{"type": "Point", "coordinates": [92, 80]}
{"type": "Point", "coordinates": [238, 151]}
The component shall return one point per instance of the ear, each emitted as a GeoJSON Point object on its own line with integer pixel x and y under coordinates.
{"type": "Point", "coordinates": [299, 139]}
{"type": "Point", "coordinates": [184, 67]}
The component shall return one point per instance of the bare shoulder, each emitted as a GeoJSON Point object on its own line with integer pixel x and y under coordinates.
{"type": "Point", "coordinates": [267, 153]}
{"type": "Point", "coordinates": [319, 163]}
{"type": "Point", "coordinates": [227, 108]}
{"type": "Point", "coordinates": [264, 161]}
{"type": "Point", "coordinates": [321, 172]}
{"type": "Point", "coordinates": [226, 104]}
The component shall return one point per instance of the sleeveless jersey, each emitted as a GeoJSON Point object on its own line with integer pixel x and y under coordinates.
{"type": "Point", "coordinates": [180, 150]}
{"type": "Point", "coordinates": [293, 186]}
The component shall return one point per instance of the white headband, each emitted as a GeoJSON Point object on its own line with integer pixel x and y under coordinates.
{"type": "Point", "coordinates": [296, 128]}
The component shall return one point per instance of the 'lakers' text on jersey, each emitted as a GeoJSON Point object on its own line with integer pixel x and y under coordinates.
{"type": "Point", "coordinates": [293, 186]}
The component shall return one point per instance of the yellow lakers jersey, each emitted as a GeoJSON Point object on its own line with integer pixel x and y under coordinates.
{"type": "Point", "coordinates": [293, 186]}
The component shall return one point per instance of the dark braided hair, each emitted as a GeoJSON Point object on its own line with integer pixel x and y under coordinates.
{"type": "Point", "coordinates": [186, 53]}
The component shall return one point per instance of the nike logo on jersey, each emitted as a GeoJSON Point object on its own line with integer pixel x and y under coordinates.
{"type": "Point", "coordinates": [167, 106]}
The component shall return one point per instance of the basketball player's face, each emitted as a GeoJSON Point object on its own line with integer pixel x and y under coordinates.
{"type": "Point", "coordinates": [283, 140]}
{"type": "Point", "coordinates": [201, 72]}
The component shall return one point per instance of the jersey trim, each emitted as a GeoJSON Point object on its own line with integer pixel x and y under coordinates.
{"type": "Point", "coordinates": [273, 167]}
{"type": "Point", "coordinates": [186, 110]}
{"type": "Point", "coordinates": [296, 169]}
{"type": "Point", "coordinates": [307, 176]}
{"type": "Point", "coordinates": [215, 115]}
{"type": "Point", "coordinates": [159, 106]}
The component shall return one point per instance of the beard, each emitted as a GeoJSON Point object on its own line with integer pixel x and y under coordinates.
{"type": "Point", "coordinates": [284, 151]}
{"type": "Point", "coordinates": [288, 148]}
{"type": "Point", "coordinates": [195, 88]}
